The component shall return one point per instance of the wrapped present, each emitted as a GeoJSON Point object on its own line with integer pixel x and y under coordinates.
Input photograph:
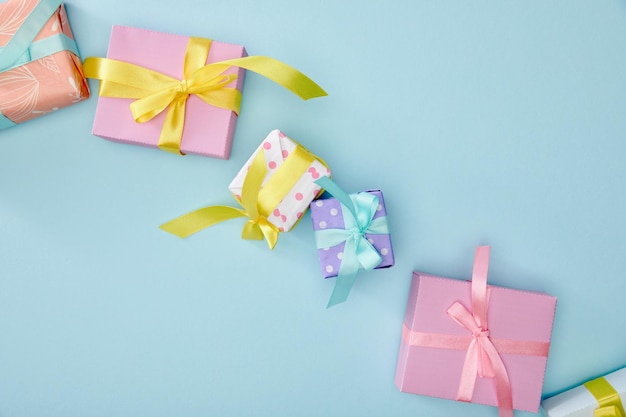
{"type": "Point", "coordinates": [40, 68]}
{"type": "Point", "coordinates": [274, 188]}
{"type": "Point", "coordinates": [599, 397]}
{"type": "Point", "coordinates": [178, 93]}
{"type": "Point", "coordinates": [457, 331]}
{"type": "Point", "coordinates": [351, 233]}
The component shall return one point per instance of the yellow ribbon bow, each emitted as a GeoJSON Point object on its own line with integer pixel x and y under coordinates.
{"type": "Point", "coordinates": [154, 92]}
{"type": "Point", "coordinates": [610, 404]}
{"type": "Point", "coordinates": [257, 203]}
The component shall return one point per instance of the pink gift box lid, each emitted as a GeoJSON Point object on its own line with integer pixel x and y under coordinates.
{"type": "Point", "coordinates": [208, 130]}
{"type": "Point", "coordinates": [512, 314]}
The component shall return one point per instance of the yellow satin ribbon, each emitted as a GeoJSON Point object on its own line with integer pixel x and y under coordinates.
{"type": "Point", "coordinates": [154, 92]}
{"type": "Point", "coordinates": [257, 203]}
{"type": "Point", "coordinates": [610, 404]}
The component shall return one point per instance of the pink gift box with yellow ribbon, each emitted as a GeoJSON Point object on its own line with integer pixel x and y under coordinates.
{"type": "Point", "coordinates": [469, 341]}
{"type": "Point", "coordinates": [208, 130]}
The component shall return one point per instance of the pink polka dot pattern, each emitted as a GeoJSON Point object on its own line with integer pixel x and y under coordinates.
{"type": "Point", "coordinates": [328, 214]}
{"type": "Point", "coordinates": [314, 174]}
{"type": "Point", "coordinates": [277, 148]}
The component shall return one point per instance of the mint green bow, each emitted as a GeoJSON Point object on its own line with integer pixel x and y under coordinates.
{"type": "Point", "coordinates": [358, 211]}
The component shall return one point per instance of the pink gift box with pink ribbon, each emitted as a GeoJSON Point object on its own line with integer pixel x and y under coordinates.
{"type": "Point", "coordinates": [469, 341]}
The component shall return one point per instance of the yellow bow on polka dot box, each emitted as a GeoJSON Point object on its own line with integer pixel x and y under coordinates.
{"type": "Point", "coordinates": [274, 189]}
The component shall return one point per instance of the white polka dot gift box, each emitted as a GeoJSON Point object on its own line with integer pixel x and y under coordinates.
{"type": "Point", "coordinates": [351, 233]}
{"type": "Point", "coordinates": [274, 188]}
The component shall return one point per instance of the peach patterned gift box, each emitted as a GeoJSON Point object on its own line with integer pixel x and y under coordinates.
{"type": "Point", "coordinates": [40, 71]}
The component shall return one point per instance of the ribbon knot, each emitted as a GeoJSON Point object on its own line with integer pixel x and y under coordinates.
{"type": "Point", "coordinates": [183, 88]}
{"type": "Point", "coordinates": [480, 332]}
{"type": "Point", "coordinates": [356, 233]}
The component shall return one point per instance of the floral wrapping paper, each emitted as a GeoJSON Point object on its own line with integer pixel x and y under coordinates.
{"type": "Point", "coordinates": [44, 85]}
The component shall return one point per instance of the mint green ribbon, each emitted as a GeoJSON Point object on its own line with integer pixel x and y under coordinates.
{"type": "Point", "coordinates": [21, 49]}
{"type": "Point", "coordinates": [358, 211]}
{"type": "Point", "coordinates": [5, 122]}
{"type": "Point", "coordinates": [25, 35]}
{"type": "Point", "coordinates": [43, 48]}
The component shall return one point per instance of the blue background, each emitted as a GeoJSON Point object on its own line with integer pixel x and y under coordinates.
{"type": "Point", "coordinates": [483, 122]}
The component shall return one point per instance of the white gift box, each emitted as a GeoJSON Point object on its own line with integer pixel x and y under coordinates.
{"type": "Point", "coordinates": [277, 147]}
{"type": "Point", "coordinates": [578, 401]}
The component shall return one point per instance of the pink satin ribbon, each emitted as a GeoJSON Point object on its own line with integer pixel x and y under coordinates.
{"type": "Point", "coordinates": [483, 353]}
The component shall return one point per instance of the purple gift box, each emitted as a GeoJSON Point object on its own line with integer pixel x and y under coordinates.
{"type": "Point", "coordinates": [328, 214]}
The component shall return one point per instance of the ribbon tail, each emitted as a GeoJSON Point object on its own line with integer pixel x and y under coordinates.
{"type": "Point", "coordinates": [224, 98]}
{"type": "Point", "coordinates": [195, 221]}
{"type": "Point", "coordinates": [346, 276]}
{"type": "Point", "coordinates": [172, 131]}
{"type": "Point", "coordinates": [469, 373]}
{"type": "Point", "coordinates": [344, 198]}
{"type": "Point", "coordinates": [503, 384]}
{"type": "Point", "coordinates": [343, 285]}
{"type": "Point", "coordinates": [270, 233]}
{"type": "Point", "coordinates": [281, 74]}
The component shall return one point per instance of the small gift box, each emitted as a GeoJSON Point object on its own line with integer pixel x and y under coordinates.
{"type": "Point", "coordinates": [599, 397]}
{"type": "Point", "coordinates": [351, 233]}
{"type": "Point", "coordinates": [178, 93]}
{"type": "Point", "coordinates": [455, 331]}
{"type": "Point", "coordinates": [274, 188]}
{"type": "Point", "coordinates": [40, 69]}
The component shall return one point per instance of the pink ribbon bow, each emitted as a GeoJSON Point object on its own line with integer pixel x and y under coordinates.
{"type": "Point", "coordinates": [482, 358]}
{"type": "Point", "coordinates": [483, 352]}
